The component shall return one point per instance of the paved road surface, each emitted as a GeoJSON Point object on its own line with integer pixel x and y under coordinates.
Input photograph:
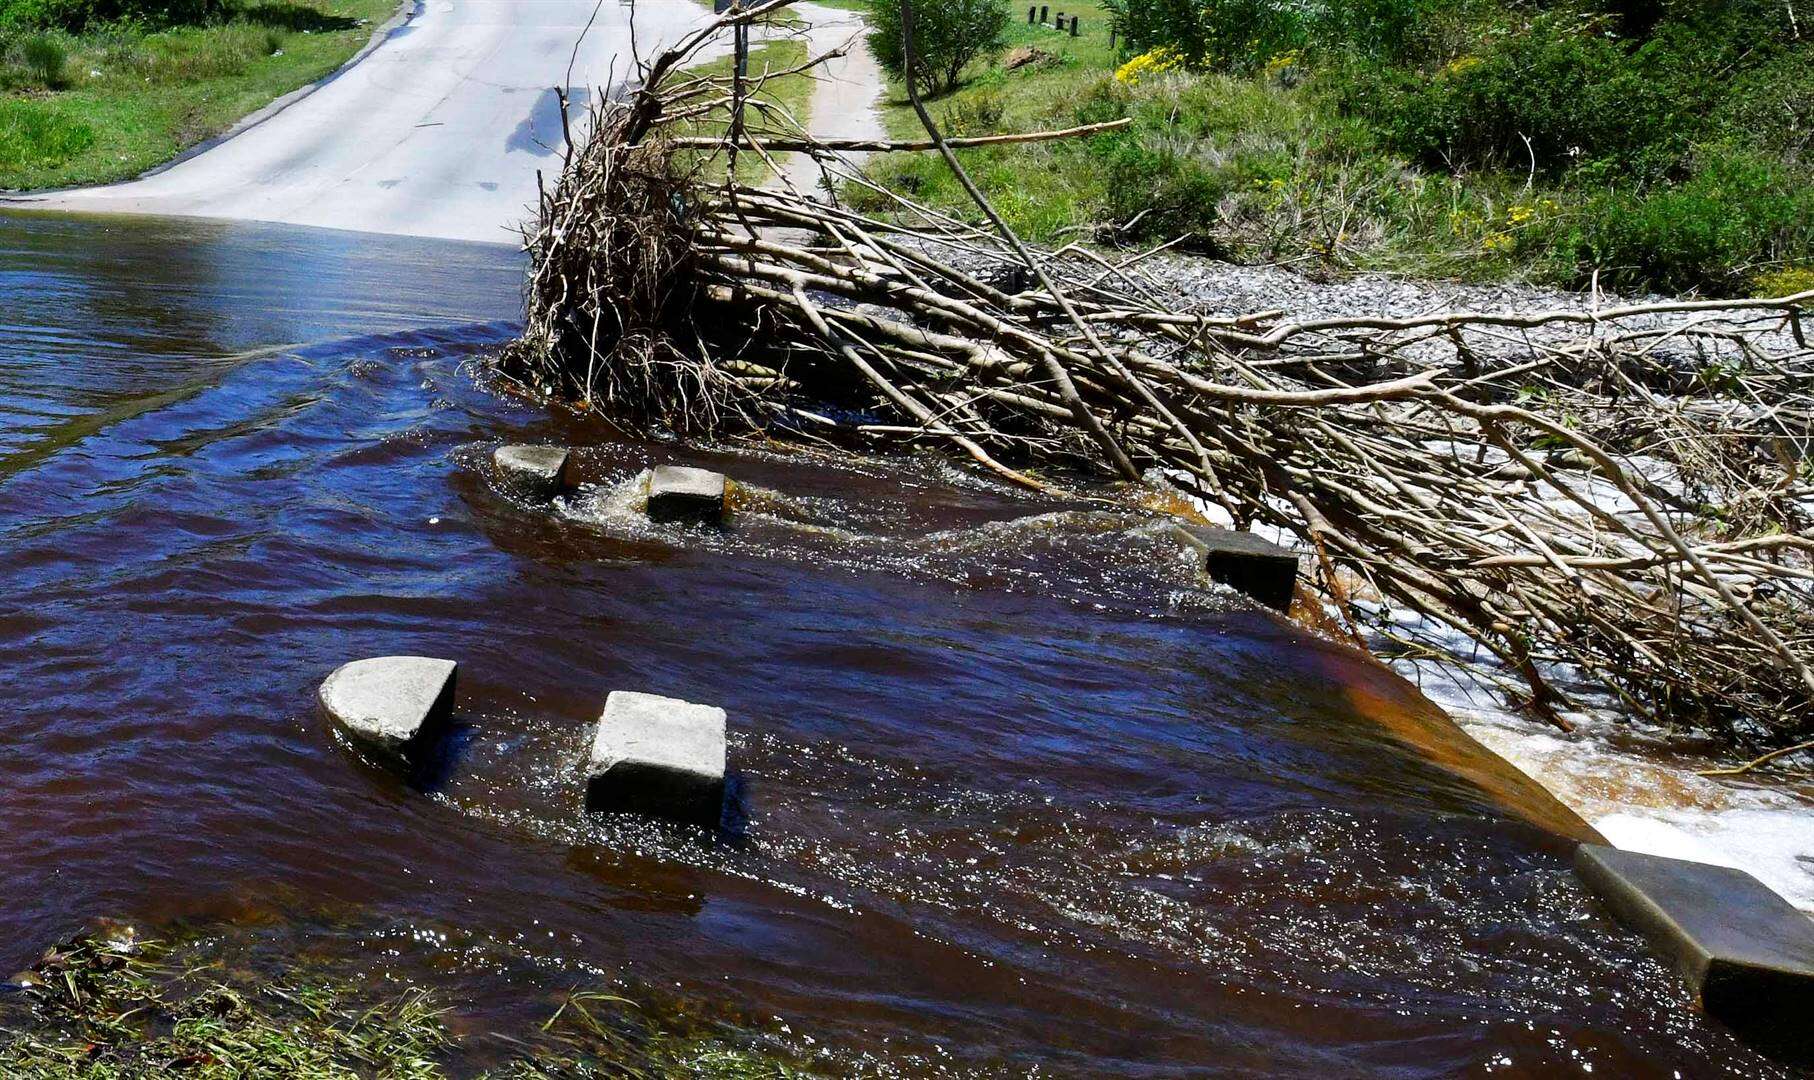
{"type": "Point", "coordinates": [438, 132]}
{"type": "Point", "coordinates": [847, 94]}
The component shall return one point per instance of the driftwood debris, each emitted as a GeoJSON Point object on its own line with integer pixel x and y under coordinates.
{"type": "Point", "coordinates": [1613, 499]}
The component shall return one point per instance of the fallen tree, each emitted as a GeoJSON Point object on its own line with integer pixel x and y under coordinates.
{"type": "Point", "coordinates": [1607, 500]}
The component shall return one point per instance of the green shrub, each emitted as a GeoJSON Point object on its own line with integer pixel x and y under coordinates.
{"type": "Point", "coordinates": [1735, 213]}
{"type": "Point", "coordinates": [35, 135]}
{"type": "Point", "coordinates": [45, 60]}
{"type": "Point", "coordinates": [33, 61]}
{"type": "Point", "coordinates": [1153, 190]}
{"type": "Point", "coordinates": [1247, 34]}
{"type": "Point", "coordinates": [1551, 93]}
{"type": "Point", "coordinates": [947, 36]}
{"type": "Point", "coordinates": [1773, 104]}
{"type": "Point", "coordinates": [80, 14]}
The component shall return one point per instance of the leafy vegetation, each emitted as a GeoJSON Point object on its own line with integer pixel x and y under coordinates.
{"type": "Point", "coordinates": [99, 90]}
{"type": "Point", "coordinates": [1661, 146]}
{"type": "Point", "coordinates": [80, 14]}
{"type": "Point", "coordinates": [39, 138]}
{"type": "Point", "coordinates": [948, 35]}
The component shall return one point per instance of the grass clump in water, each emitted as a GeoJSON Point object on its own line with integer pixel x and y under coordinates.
{"type": "Point", "coordinates": [106, 1006]}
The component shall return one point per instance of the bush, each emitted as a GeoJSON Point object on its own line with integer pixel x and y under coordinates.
{"type": "Point", "coordinates": [947, 36]}
{"type": "Point", "coordinates": [1246, 34]}
{"type": "Point", "coordinates": [45, 59]}
{"type": "Point", "coordinates": [1551, 93]}
{"type": "Point", "coordinates": [1774, 104]}
{"type": "Point", "coordinates": [1735, 214]}
{"type": "Point", "coordinates": [1155, 191]}
{"type": "Point", "coordinates": [80, 14]}
{"type": "Point", "coordinates": [34, 61]}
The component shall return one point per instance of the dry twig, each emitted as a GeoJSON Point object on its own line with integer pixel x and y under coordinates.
{"type": "Point", "coordinates": [1616, 495]}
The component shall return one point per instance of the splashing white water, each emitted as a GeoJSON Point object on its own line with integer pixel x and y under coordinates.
{"type": "Point", "coordinates": [1625, 780]}
{"type": "Point", "coordinates": [1628, 784]}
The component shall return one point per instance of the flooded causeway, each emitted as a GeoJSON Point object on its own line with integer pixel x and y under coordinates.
{"type": "Point", "coordinates": [1015, 791]}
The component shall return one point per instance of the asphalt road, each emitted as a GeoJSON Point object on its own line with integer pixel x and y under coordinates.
{"type": "Point", "coordinates": [437, 132]}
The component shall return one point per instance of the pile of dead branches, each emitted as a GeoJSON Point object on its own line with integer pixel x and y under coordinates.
{"type": "Point", "coordinates": [1610, 498]}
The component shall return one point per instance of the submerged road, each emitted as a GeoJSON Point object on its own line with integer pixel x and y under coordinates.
{"type": "Point", "coordinates": [438, 132]}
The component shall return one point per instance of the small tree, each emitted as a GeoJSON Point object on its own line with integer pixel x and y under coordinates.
{"type": "Point", "coordinates": [947, 35]}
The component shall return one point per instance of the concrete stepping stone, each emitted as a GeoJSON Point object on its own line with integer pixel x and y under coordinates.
{"type": "Point", "coordinates": [1747, 954]}
{"type": "Point", "coordinates": [679, 493]}
{"type": "Point", "coordinates": [534, 472]}
{"type": "Point", "coordinates": [1244, 562]}
{"type": "Point", "coordinates": [659, 756]}
{"type": "Point", "coordinates": [393, 706]}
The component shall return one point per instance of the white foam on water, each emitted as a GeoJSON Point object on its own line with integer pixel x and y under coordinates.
{"type": "Point", "coordinates": [1642, 798]}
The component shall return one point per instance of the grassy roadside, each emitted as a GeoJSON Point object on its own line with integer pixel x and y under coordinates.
{"type": "Point", "coordinates": [1267, 165]}
{"type": "Point", "coordinates": [109, 102]}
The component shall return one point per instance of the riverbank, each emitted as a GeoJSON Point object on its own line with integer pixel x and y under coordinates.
{"type": "Point", "coordinates": [109, 102]}
{"type": "Point", "coordinates": [440, 132]}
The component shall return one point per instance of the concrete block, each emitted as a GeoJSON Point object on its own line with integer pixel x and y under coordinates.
{"type": "Point", "coordinates": [393, 706]}
{"type": "Point", "coordinates": [658, 756]}
{"type": "Point", "coordinates": [678, 493]}
{"type": "Point", "coordinates": [1747, 954]}
{"type": "Point", "coordinates": [534, 472]}
{"type": "Point", "coordinates": [1243, 562]}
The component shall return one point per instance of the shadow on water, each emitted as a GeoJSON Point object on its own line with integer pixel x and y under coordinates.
{"type": "Point", "coordinates": [1014, 790]}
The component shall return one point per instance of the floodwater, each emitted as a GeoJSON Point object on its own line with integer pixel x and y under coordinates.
{"type": "Point", "coordinates": [1014, 792]}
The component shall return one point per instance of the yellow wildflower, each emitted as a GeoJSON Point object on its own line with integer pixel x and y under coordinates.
{"type": "Point", "coordinates": [1461, 65]}
{"type": "Point", "coordinates": [1788, 281]}
{"type": "Point", "coordinates": [1148, 63]}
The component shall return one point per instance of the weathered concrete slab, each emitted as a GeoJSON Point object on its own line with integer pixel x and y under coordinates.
{"type": "Point", "coordinates": [679, 493]}
{"type": "Point", "coordinates": [657, 755]}
{"type": "Point", "coordinates": [1244, 562]}
{"type": "Point", "coordinates": [1747, 953]}
{"type": "Point", "coordinates": [534, 472]}
{"type": "Point", "coordinates": [394, 706]}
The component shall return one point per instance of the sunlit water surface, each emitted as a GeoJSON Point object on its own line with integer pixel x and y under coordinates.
{"type": "Point", "coordinates": [1013, 789]}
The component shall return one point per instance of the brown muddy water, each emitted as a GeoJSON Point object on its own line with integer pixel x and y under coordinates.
{"type": "Point", "coordinates": [1014, 792]}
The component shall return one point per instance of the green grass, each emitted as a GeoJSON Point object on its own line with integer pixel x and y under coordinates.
{"type": "Point", "coordinates": [785, 95]}
{"type": "Point", "coordinates": [33, 137]}
{"type": "Point", "coordinates": [105, 1006]}
{"type": "Point", "coordinates": [124, 99]}
{"type": "Point", "coordinates": [1267, 164]}
{"type": "Point", "coordinates": [1242, 167]}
